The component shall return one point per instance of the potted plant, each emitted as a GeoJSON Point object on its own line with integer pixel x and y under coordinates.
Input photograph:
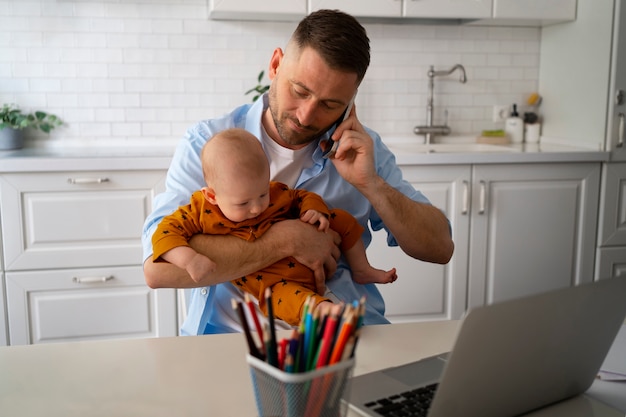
{"type": "Point", "coordinates": [13, 120]}
{"type": "Point", "coordinates": [259, 89]}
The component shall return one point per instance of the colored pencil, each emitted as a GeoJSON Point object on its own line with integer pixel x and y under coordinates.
{"type": "Point", "coordinates": [272, 354]}
{"type": "Point", "coordinates": [252, 347]}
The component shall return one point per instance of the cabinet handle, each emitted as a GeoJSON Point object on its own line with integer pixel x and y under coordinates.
{"type": "Point", "coordinates": [620, 131]}
{"type": "Point", "coordinates": [87, 180]}
{"type": "Point", "coordinates": [91, 280]}
{"type": "Point", "coordinates": [483, 197]}
{"type": "Point", "coordinates": [465, 208]}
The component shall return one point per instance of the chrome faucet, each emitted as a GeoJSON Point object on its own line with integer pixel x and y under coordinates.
{"type": "Point", "coordinates": [429, 130]}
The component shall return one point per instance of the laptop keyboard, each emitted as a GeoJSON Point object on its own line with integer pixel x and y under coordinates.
{"type": "Point", "coordinates": [413, 403]}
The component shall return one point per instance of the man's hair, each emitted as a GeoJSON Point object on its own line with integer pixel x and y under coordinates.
{"type": "Point", "coordinates": [339, 39]}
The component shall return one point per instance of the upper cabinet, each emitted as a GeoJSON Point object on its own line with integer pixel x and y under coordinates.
{"type": "Point", "coordinates": [257, 10]}
{"type": "Point", "coordinates": [531, 12]}
{"type": "Point", "coordinates": [424, 9]}
{"type": "Point", "coordinates": [361, 8]}
{"type": "Point", "coordinates": [449, 9]}
{"type": "Point", "coordinates": [487, 12]}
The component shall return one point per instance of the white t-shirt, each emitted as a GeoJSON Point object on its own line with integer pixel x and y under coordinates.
{"type": "Point", "coordinates": [287, 164]}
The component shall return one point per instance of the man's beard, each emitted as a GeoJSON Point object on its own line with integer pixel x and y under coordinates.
{"type": "Point", "coordinates": [287, 135]}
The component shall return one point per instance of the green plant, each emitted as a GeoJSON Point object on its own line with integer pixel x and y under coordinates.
{"type": "Point", "coordinates": [260, 89]}
{"type": "Point", "coordinates": [12, 117]}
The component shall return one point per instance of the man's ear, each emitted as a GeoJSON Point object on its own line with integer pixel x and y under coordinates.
{"type": "Point", "coordinates": [277, 58]}
{"type": "Point", "coordinates": [209, 195]}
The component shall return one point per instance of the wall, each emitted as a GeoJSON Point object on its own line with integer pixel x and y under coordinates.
{"type": "Point", "coordinates": [574, 75]}
{"type": "Point", "coordinates": [141, 71]}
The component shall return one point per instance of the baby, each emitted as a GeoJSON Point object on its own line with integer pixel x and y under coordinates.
{"type": "Point", "coordinates": [239, 199]}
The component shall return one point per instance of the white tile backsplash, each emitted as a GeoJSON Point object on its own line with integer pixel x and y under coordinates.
{"type": "Point", "coordinates": [121, 71]}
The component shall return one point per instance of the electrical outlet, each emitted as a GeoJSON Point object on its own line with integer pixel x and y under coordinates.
{"type": "Point", "coordinates": [500, 113]}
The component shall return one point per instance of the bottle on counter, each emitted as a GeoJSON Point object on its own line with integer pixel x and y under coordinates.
{"type": "Point", "coordinates": [514, 126]}
{"type": "Point", "coordinates": [532, 128]}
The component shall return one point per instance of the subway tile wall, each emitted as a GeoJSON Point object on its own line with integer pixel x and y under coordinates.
{"type": "Point", "coordinates": [141, 71]}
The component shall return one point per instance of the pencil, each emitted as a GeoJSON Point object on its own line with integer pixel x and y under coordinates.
{"type": "Point", "coordinates": [255, 318]}
{"type": "Point", "coordinates": [329, 336]}
{"type": "Point", "coordinates": [344, 334]}
{"type": "Point", "coordinates": [252, 347]}
{"type": "Point", "coordinates": [272, 354]}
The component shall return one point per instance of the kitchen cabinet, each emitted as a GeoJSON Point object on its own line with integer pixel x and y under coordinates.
{"type": "Point", "coordinates": [72, 256]}
{"type": "Point", "coordinates": [534, 12]}
{"type": "Point", "coordinates": [426, 291]}
{"type": "Point", "coordinates": [289, 10]}
{"type": "Point", "coordinates": [611, 254]}
{"type": "Point", "coordinates": [518, 229]}
{"type": "Point", "coordinates": [4, 340]}
{"type": "Point", "coordinates": [409, 8]}
{"type": "Point", "coordinates": [617, 87]}
{"type": "Point", "coordinates": [496, 12]}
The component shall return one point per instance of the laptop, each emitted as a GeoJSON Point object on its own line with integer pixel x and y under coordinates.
{"type": "Point", "coordinates": [509, 358]}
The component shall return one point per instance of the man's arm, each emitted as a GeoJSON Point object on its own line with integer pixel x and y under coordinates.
{"type": "Point", "coordinates": [421, 230]}
{"type": "Point", "coordinates": [236, 257]}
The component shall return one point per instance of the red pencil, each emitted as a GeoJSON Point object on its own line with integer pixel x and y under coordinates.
{"type": "Point", "coordinates": [329, 336]}
{"type": "Point", "coordinates": [255, 318]}
{"type": "Point", "coordinates": [342, 339]}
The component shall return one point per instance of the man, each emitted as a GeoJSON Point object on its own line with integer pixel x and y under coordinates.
{"type": "Point", "coordinates": [313, 81]}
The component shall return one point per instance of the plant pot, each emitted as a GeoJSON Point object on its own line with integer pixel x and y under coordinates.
{"type": "Point", "coordinates": [11, 139]}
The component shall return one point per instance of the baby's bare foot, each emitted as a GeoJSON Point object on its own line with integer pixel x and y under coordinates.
{"type": "Point", "coordinates": [375, 276]}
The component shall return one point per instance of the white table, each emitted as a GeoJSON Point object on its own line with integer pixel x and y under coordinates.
{"type": "Point", "coordinates": [178, 376]}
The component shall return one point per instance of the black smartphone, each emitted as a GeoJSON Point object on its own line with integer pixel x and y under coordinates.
{"type": "Point", "coordinates": [332, 145]}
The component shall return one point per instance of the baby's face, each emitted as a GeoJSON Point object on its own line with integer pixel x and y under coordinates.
{"type": "Point", "coordinates": [244, 199]}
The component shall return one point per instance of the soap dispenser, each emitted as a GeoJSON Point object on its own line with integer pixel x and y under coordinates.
{"type": "Point", "coordinates": [514, 126]}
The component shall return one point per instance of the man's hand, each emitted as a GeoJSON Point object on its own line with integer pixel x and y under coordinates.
{"type": "Point", "coordinates": [354, 158]}
{"type": "Point", "coordinates": [316, 250]}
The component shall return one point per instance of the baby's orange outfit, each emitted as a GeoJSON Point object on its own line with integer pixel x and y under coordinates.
{"type": "Point", "coordinates": [291, 282]}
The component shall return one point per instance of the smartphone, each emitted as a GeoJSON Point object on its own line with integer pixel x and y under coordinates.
{"type": "Point", "coordinates": [333, 145]}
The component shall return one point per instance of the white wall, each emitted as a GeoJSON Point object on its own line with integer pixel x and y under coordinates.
{"type": "Point", "coordinates": [141, 71]}
{"type": "Point", "coordinates": [574, 75]}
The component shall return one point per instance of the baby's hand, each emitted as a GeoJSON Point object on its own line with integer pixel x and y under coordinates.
{"type": "Point", "coordinates": [315, 217]}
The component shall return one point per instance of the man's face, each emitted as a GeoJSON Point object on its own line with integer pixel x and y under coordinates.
{"type": "Point", "coordinates": [306, 97]}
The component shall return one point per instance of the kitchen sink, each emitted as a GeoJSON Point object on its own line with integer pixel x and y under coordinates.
{"type": "Point", "coordinates": [450, 148]}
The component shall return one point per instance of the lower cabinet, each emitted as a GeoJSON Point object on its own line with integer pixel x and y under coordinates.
{"type": "Point", "coordinates": [71, 246]}
{"type": "Point", "coordinates": [82, 304]}
{"type": "Point", "coordinates": [611, 253]}
{"type": "Point", "coordinates": [518, 229]}
{"type": "Point", "coordinates": [4, 336]}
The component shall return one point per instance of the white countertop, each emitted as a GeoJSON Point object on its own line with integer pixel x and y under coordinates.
{"type": "Point", "coordinates": [94, 158]}
{"type": "Point", "coordinates": [190, 376]}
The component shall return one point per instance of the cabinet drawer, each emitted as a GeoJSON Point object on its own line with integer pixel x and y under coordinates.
{"type": "Point", "coordinates": [85, 304]}
{"type": "Point", "coordinates": [75, 219]}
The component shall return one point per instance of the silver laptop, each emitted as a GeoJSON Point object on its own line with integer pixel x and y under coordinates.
{"type": "Point", "coordinates": [511, 358]}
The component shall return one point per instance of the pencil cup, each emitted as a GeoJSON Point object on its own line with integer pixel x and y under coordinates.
{"type": "Point", "coordinates": [315, 393]}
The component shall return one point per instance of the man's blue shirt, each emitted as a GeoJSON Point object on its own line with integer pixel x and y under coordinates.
{"type": "Point", "coordinates": [210, 309]}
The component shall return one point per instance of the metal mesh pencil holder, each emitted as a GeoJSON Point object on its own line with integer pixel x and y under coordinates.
{"type": "Point", "coordinates": [315, 393]}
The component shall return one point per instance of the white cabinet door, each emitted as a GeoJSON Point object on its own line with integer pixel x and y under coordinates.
{"type": "Point", "coordinates": [533, 230]}
{"type": "Point", "coordinates": [75, 219]}
{"type": "Point", "coordinates": [616, 129]}
{"type": "Point", "coordinates": [426, 291]}
{"type": "Point", "coordinates": [557, 10]}
{"type": "Point", "coordinates": [612, 230]}
{"type": "Point", "coordinates": [86, 304]}
{"type": "Point", "coordinates": [258, 10]}
{"type": "Point", "coordinates": [453, 9]}
{"type": "Point", "coordinates": [361, 8]}
{"type": "Point", "coordinates": [4, 338]}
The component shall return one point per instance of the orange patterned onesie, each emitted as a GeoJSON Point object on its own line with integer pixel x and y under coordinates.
{"type": "Point", "coordinates": [291, 282]}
